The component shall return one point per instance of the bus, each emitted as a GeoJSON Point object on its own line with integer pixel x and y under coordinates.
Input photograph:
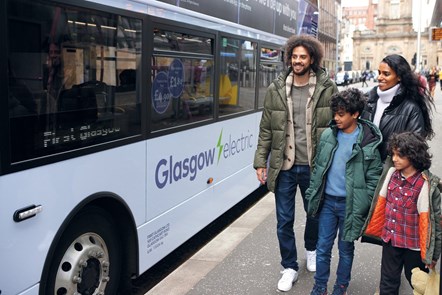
{"type": "Point", "coordinates": [130, 125]}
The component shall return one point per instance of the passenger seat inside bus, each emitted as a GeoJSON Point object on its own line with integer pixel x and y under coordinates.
{"type": "Point", "coordinates": [77, 106]}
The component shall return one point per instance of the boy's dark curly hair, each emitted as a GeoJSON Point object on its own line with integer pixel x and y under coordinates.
{"type": "Point", "coordinates": [350, 100]}
{"type": "Point", "coordinates": [311, 44]}
{"type": "Point", "coordinates": [411, 146]}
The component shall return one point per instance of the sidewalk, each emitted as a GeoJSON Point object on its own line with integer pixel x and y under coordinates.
{"type": "Point", "coordinates": [188, 275]}
{"type": "Point", "coordinates": [244, 259]}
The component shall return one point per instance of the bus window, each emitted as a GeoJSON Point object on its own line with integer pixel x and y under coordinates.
{"type": "Point", "coordinates": [238, 76]}
{"type": "Point", "coordinates": [65, 78]}
{"type": "Point", "coordinates": [270, 67]}
{"type": "Point", "coordinates": [180, 42]}
{"type": "Point", "coordinates": [182, 92]}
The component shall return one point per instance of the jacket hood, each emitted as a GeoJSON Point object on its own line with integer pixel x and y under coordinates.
{"type": "Point", "coordinates": [370, 135]}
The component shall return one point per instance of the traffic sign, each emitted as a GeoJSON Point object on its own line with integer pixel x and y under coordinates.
{"type": "Point", "coordinates": [435, 34]}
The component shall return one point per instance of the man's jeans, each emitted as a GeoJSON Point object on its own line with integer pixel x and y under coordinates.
{"type": "Point", "coordinates": [331, 218]}
{"type": "Point", "coordinates": [287, 182]}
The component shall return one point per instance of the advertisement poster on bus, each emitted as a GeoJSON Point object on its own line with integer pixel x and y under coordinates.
{"type": "Point", "coordinates": [278, 17]}
{"type": "Point", "coordinates": [160, 93]}
{"type": "Point", "coordinates": [167, 86]}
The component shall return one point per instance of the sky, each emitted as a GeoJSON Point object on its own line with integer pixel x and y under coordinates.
{"type": "Point", "coordinates": [422, 8]}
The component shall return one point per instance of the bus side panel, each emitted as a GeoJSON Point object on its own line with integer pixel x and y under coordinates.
{"type": "Point", "coordinates": [188, 160]}
{"type": "Point", "coordinates": [59, 188]}
{"type": "Point", "coordinates": [185, 162]}
{"type": "Point", "coordinates": [31, 291]}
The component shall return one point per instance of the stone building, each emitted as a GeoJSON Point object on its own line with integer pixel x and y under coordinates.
{"type": "Point", "coordinates": [363, 17]}
{"type": "Point", "coordinates": [393, 33]}
{"type": "Point", "coordinates": [328, 20]}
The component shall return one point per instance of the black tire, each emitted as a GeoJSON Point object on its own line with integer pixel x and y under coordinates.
{"type": "Point", "coordinates": [87, 258]}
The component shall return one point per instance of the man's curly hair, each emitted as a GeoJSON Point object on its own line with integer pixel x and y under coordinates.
{"type": "Point", "coordinates": [412, 146]}
{"type": "Point", "coordinates": [311, 44]}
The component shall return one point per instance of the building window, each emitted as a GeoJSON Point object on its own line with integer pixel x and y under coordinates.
{"type": "Point", "coordinates": [395, 11]}
{"type": "Point", "coordinates": [393, 50]}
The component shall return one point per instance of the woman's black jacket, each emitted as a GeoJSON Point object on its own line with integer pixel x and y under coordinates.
{"type": "Point", "coordinates": [403, 114]}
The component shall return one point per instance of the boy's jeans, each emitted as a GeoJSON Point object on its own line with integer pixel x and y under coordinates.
{"type": "Point", "coordinates": [331, 218]}
{"type": "Point", "coordinates": [298, 175]}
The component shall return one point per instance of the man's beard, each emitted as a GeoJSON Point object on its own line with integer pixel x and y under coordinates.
{"type": "Point", "coordinates": [303, 72]}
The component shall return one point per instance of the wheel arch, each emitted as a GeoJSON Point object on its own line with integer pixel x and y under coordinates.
{"type": "Point", "coordinates": [126, 230]}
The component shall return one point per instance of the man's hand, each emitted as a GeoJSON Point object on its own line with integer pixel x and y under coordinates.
{"type": "Point", "coordinates": [261, 173]}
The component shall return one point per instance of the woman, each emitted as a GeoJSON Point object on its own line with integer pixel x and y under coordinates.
{"type": "Point", "coordinates": [399, 102]}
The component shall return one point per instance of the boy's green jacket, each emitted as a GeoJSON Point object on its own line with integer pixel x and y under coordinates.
{"type": "Point", "coordinates": [362, 173]}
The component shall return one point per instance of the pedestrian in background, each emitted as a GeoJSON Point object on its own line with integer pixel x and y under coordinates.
{"type": "Point", "coordinates": [423, 82]}
{"type": "Point", "coordinates": [346, 79]}
{"type": "Point", "coordinates": [399, 102]}
{"type": "Point", "coordinates": [346, 172]}
{"type": "Point", "coordinates": [296, 111]}
{"type": "Point", "coordinates": [432, 78]}
{"type": "Point", "coordinates": [405, 214]}
{"type": "Point", "coordinates": [440, 78]}
{"type": "Point", "coordinates": [364, 78]}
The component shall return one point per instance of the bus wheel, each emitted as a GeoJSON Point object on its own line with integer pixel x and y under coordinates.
{"type": "Point", "coordinates": [88, 258]}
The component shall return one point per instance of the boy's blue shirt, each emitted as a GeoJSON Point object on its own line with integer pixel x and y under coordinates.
{"type": "Point", "coordinates": [335, 180]}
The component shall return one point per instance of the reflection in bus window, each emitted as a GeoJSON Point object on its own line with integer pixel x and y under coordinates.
{"type": "Point", "coordinates": [182, 90]}
{"type": "Point", "coordinates": [68, 78]}
{"type": "Point", "coordinates": [174, 41]}
{"type": "Point", "coordinates": [270, 67]}
{"type": "Point", "coordinates": [238, 76]}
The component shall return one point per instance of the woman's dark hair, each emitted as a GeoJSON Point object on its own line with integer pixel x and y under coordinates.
{"type": "Point", "coordinates": [411, 146]}
{"type": "Point", "coordinates": [412, 89]}
{"type": "Point", "coordinates": [351, 100]}
{"type": "Point", "coordinates": [311, 44]}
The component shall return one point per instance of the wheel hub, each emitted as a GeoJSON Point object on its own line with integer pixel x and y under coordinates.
{"type": "Point", "coordinates": [84, 268]}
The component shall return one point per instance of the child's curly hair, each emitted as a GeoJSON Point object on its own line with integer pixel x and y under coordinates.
{"type": "Point", "coordinates": [411, 146]}
{"type": "Point", "coordinates": [350, 100]}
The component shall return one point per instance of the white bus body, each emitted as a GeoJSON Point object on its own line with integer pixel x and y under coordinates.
{"type": "Point", "coordinates": [147, 138]}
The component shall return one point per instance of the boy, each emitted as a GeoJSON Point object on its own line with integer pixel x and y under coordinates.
{"type": "Point", "coordinates": [405, 213]}
{"type": "Point", "coordinates": [345, 175]}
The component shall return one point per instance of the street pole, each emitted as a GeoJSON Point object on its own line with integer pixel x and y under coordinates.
{"type": "Point", "coordinates": [337, 46]}
{"type": "Point", "coordinates": [418, 50]}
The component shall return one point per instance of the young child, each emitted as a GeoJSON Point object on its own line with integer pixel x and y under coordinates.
{"type": "Point", "coordinates": [345, 175]}
{"type": "Point", "coordinates": [405, 212]}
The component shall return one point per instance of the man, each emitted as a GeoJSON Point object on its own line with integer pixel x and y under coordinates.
{"type": "Point", "coordinates": [296, 111]}
{"type": "Point", "coordinates": [346, 79]}
{"type": "Point", "coordinates": [364, 79]}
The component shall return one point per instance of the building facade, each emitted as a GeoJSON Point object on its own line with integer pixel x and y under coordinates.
{"type": "Point", "coordinates": [361, 17]}
{"type": "Point", "coordinates": [393, 33]}
{"type": "Point", "coordinates": [328, 32]}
